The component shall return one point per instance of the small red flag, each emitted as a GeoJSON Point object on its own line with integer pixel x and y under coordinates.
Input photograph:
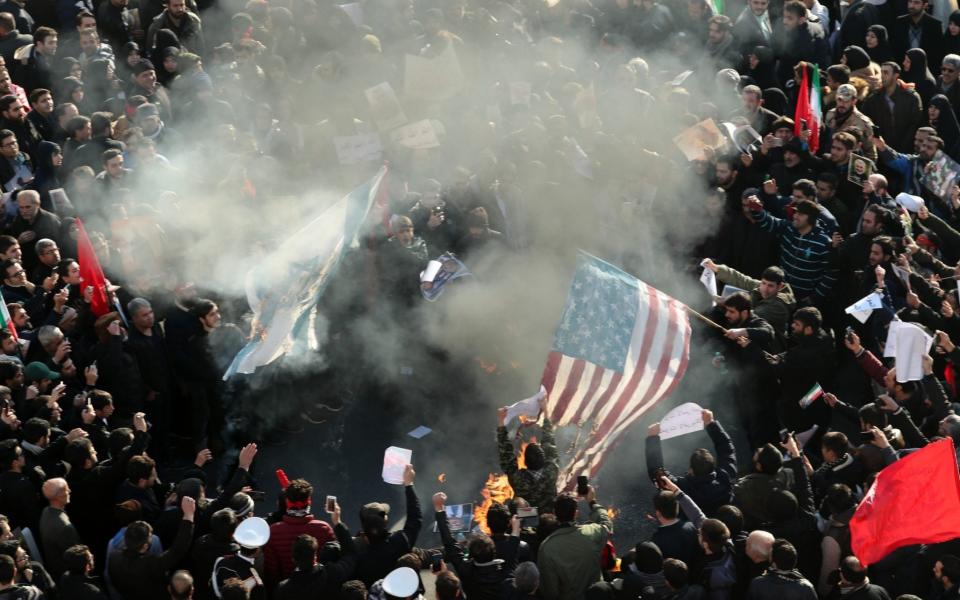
{"type": "Point", "coordinates": [91, 273]}
{"type": "Point", "coordinates": [916, 500]}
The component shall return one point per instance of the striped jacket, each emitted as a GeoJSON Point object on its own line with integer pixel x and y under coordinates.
{"type": "Point", "coordinates": [805, 259]}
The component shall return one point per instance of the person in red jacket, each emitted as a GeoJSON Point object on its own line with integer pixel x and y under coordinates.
{"type": "Point", "coordinates": [278, 553]}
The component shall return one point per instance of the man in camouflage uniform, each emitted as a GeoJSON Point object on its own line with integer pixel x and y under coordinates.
{"type": "Point", "coordinates": [537, 483]}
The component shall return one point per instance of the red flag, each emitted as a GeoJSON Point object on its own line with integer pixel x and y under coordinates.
{"type": "Point", "coordinates": [809, 110]}
{"type": "Point", "coordinates": [91, 273]}
{"type": "Point", "coordinates": [915, 500]}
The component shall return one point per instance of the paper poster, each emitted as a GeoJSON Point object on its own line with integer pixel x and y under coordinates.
{"type": "Point", "coordinates": [709, 280]}
{"type": "Point", "coordinates": [356, 149]}
{"type": "Point", "coordinates": [439, 272]}
{"type": "Point", "coordinates": [528, 407]}
{"type": "Point", "coordinates": [890, 345]}
{"type": "Point", "coordinates": [940, 175]}
{"type": "Point", "coordinates": [693, 141]}
{"type": "Point", "coordinates": [384, 106]}
{"type": "Point", "coordinates": [729, 290]}
{"type": "Point", "coordinates": [420, 432]}
{"type": "Point", "coordinates": [684, 419]}
{"type": "Point", "coordinates": [912, 343]}
{"type": "Point", "coordinates": [859, 169]}
{"type": "Point", "coordinates": [436, 79]}
{"type": "Point", "coordinates": [520, 92]}
{"type": "Point", "coordinates": [416, 136]}
{"type": "Point", "coordinates": [862, 308]}
{"type": "Point", "coordinates": [744, 138]}
{"type": "Point", "coordinates": [395, 461]}
{"type": "Point", "coordinates": [459, 518]}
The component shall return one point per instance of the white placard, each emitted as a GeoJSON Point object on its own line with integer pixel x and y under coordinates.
{"type": "Point", "coordinates": [356, 149]}
{"type": "Point", "coordinates": [416, 136]}
{"type": "Point", "coordinates": [384, 106]}
{"type": "Point", "coordinates": [395, 461]}
{"type": "Point", "coordinates": [686, 418]}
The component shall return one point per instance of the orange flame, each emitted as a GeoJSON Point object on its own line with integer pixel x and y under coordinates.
{"type": "Point", "coordinates": [488, 367]}
{"type": "Point", "coordinates": [442, 477]}
{"type": "Point", "coordinates": [612, 512]}
{"type": "Point", "coordinates": [521, 463]}
{"type": "Point", "coordinates": [496, 489]}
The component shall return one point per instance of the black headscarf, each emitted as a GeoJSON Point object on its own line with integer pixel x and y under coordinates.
{"type": "Point", "coordinates": [919, 75]}
{"type": "Point", "coordinates": [883, 52]}
{"type": "Point", "coordinates": [947, 127]}
{"type": "Point", "coordinates": [46, 178]}
{"type": "Point", "coordinates": [857, 58]}
{"type": "Point", "coordinates": [775, 100]}
{"type": "Point", "coordinates": [951, 43]}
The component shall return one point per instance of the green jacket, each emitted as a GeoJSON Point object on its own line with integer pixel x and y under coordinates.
{"type": "Point", "coordinates": [569, 559]}
{"type": "Point", "coordinates": [775, 310]}
{"type": "Point", "coordinates": [539, 487]}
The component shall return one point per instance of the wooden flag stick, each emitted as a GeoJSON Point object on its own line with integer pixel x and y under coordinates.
{"type": "Point", "coordinates": [705, 319]}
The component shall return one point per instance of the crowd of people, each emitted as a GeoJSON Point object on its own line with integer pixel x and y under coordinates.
{"type": "Point", "coordinates": [165, 139]}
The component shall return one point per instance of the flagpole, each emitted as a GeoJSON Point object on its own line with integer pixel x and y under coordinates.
{"type": "Point", "coordinates": [705, 319]}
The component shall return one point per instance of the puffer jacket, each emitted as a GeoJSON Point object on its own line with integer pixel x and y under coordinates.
{"type": "Point", "coordinates": [782, 585]}
{"type": "Point", "coordinates": [278, 553]}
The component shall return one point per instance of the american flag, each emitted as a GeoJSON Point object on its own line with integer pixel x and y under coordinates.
{"type": "Point", "coordinates": [620, 347]}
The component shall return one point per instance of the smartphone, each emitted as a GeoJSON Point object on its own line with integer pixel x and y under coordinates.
{"type": "Point", "coordinates": [660, 472]}
{"type": "Point", "coordinates": [529, 516]}
{"type": "Point", "coordinates": [866, 437]}
{"type": "Point", "coordinates": [582, 483]}
{"type": "Point", "coordinates": [257, 495]}
{"type": "Point", "coordinates": [803, 124]}
{"type": "Point", "coordinates": [784, 435]}
{"type": "Point", "coordinates": [876, 131]}
{"type": "Point", "coordinates": [849, 334]}
{"type": "Point", "coordinates": [435, 560]}
{"type": "Point", "coordinates": [331, 503]}
{"type": "Point", "coordinates": [777, 142]}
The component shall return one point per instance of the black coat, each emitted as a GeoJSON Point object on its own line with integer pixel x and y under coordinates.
{"type": "Point", "coordinates": [853, 29]}
{"type": "Point", "coordinates": [806, 42]}
{"type": "Point", "coordinates": [931, 38]}
{"type": "Point", "coordinates": [899, 125]}
{"type": "Point", "coordinates": [20, 501]}
{"type": "Point", "coordinates": [789, 585]}
{"type": "Point", "coordinates": [144, 576]}
{"type": "Point", "coordinates": [78, 586]}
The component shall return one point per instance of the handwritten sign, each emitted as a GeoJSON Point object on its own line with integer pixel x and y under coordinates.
{"type": "Point", "coordinates": [356, 149]}
{"type": "Point", "coordinates": [416, 136]}
{"type": "Point", "coordinates": [385, 107]}
{"type": "Point", "coordinates": [684, 419]}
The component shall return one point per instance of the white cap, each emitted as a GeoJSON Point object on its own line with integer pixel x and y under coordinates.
{"type": "Point", "coordinates": [401, 583]}
{"type": "Point", "coordinates": [910, 202]}
{"type": "Point", "coordinates": [252, 533]}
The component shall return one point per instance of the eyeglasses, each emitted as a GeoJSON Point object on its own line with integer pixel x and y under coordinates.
{"type": "Point", "coordinates": [12, 144]}
{"type": "Point", "coordinates": [17, 274]}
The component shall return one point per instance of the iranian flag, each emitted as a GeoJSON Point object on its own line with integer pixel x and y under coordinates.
{"type": "Point", "coordinates": [5, 320]}
{"type": "Point", "coordinates": [815, 392]}
{"type": "Point", "coordinates": [808, 106]}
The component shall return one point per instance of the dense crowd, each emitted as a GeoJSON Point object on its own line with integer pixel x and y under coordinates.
{"type": "Point", "coordinates": [157, 137]}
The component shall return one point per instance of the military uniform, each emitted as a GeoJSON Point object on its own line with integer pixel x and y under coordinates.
{"type": "Point", "coordinates": [538, 487]}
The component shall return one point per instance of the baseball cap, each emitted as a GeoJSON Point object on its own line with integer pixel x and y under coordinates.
{"type": "Point", "coordinates": [846, 92]}
{"type": "Point", "coordinates": [36, 371]}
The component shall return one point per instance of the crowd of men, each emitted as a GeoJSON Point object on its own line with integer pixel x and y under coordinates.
{"type": "Point", "coordinates": [165, 138]}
